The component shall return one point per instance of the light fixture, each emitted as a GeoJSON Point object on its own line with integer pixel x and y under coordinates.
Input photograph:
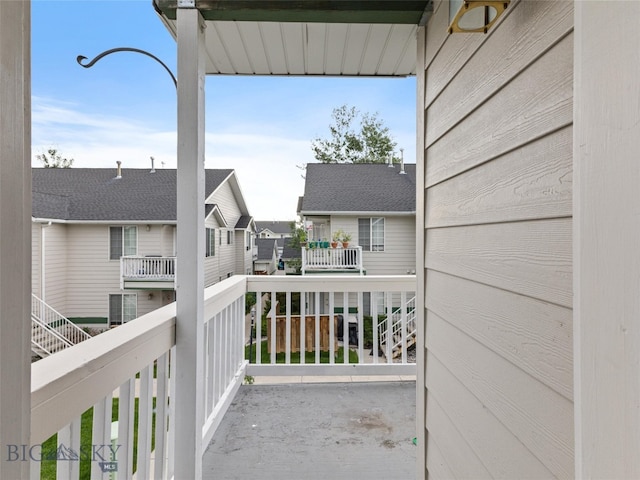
{"type": "Point", "coordinates": [468, 16]}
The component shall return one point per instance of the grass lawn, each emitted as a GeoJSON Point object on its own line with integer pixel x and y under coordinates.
{"type": "Point", "coordinates": [309, 357]}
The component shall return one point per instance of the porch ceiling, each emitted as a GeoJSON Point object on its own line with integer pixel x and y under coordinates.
{"type": "Point", "coordinates": [307, 37]}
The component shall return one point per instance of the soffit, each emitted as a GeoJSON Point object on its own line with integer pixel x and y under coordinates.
{"type": "Point", "coordinates": [307, 37]}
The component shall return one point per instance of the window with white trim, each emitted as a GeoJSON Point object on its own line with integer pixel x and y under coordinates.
{"type": "Point", "coordinates": [122, 308]}
{"type": "Point", "coordinates": [371, 234]}
{"type": "Point", "coordinates": [229, 237]}
{"type": "Point", "coordinates": [123, 241]}
{"type": "Point", "coordinates": [210, 242]}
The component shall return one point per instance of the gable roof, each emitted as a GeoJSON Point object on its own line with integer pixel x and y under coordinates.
{"type": "Point", "coordinates": [358, 188]}
{"type": "Point", "coordinates": [95, 194]}
{"type": "Point", "coordinates": [266, 248]}
{"type": "Point", "coordinates": [276, 226]}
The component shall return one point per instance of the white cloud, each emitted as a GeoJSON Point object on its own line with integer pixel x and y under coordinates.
{"type": "Point", "coordinates": [265, 165]}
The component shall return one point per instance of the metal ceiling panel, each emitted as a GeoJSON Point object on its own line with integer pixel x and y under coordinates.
{"type": "Point", "coordinates": [338, 49]}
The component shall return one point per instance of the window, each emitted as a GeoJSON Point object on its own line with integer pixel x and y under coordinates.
{"type": "Point", "coordinates": [220, 238]}
{"type": "Point", "coordinates": [248, 240]}
{"type": "Point", "coordinates": [122, 308]}
{"type": "Point", "coordinates": [123, 242]}
{"type": "Point", "coordinates": [210, 242]}
{"type": "Point", "coordinates": [371, 234]}
{"type": "Point", "coordinates": [229, 237]}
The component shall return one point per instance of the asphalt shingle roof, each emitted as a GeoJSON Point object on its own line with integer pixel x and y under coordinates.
{"type": "Point", "coordinates": [276, 226]}
{"type": "Point", "coordinates": [266, 247]}
{"type": "Point", "coordinates": [244, 221]}
{"type": "Point", "coordinates": [94, 194]}
{"type": "Point", "coordinates": [332, 187]}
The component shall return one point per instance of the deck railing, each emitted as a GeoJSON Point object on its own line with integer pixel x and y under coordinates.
{"type": "Point", "coordinates": [346, 308]}
{"type": "Point", "coordinates": [150, 268]}
{"type": "Point", "coordinates": [127, 372]}
{"type": "Point", "coordinates": [330, 259]}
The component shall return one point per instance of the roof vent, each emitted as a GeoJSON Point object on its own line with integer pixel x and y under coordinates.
{"type": "Point", "coordinates": [390, 160]}
{"type": "Point", "coordinates": [153, 170]}
{"type": "Point", "coordinates": [402, 172]}
{"type": "Point", "coordinates": [118, 169]}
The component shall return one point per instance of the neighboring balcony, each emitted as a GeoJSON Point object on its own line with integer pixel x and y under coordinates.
{"type": "Point", "coordinates": [332, 260]}
{"type": "Point", "coordinates": [126, 374]}
{"type": "Point", "coordinates": [150, 272]}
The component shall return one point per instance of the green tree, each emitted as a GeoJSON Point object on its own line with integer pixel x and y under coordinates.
{"type": "Point", "coordinates": [52, 159]}
{"type": "Point", "coordinates": [298, 235]}
{"type": "Point", "coordinates": [355, 138]}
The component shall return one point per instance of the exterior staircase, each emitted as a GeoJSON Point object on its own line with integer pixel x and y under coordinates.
{"type": "Point", "coordinates": [394, 339]}
{"type": "Point", "coordinates": [51, 331]}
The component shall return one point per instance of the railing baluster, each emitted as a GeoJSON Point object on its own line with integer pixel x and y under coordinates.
{"type": "Point", "coordinates": [209, 374]}
{"type": "Point", "coordinates": [258, 323]}
{"type": "Point", "coordinates": [125, 428]}
{"type": "Point", "coordinates": [360, 328]}
{"type": "Point", "coordinates": [171, 440]}
{"type": "Point", "coordinates": [101, 434]}
{"type": "Point", "coordinates": [389, 315]}
{"type": "Point", "coordinates": [218, 356]}
{"type": "Point", "coordinates": [346, 327]}
{"type": "Point", "coordinates": [332, 333]}
{"type": "Point", "coordinates": [403, 323]}
{"type": "Point", "coordinates": [373, 296]}
{"type": "Point", "coordinates": [161, 417]}
{"type": "Point", "coordinates": [303, 327]}
{"type": "Point", "coordinates": [287, 358]}
{"type": "Point", "coordinates": [317, 327]}
{"type": "Point", "coordinates": [273, 328]}
{"type": "Point", "coordinates": [145, 414]}
{"type": "Point", "coordinates": [68, 451]}
{"type": "Point", "coordinates": [34, 469]}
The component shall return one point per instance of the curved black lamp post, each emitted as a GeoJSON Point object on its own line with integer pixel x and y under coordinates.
{"type": "Point", "coordinates": [81, 58]}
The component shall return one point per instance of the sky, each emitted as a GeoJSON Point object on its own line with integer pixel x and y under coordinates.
{"type": "Point", "coordinates": [124, 107]}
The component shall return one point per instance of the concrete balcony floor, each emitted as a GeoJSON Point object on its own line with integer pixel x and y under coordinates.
{"type": "Point", "coordinates": [356, 430]}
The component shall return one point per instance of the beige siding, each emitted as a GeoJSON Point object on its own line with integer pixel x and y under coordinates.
{"type": "Point", "coordinates": [225, 261]}
{"type": "Point", "coordinates": [498, 245]}
{"type": "Point", "coordinates": [607, 228]}
{"type": "Point", "coordinates": [92, 277]}
{"type": "Point", "coordinates": [398, 257]}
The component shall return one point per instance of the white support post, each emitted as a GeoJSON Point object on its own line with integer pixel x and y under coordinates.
{"type": "Point", "coordinates": [606, 231]}
{"type": "Point", "coordinates": [15, 237]}
{"type": "Point", "coordinates": [189, 402]}
{"type": "Point", "coordinates": [421, 393]}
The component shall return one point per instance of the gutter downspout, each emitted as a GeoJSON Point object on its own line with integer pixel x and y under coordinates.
{"type": "Point", "coordinates": [43, 269]}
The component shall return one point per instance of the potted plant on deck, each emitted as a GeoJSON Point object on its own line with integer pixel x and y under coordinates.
{"type": "Point", "coordinates": [335, 238]}
{"type": "Point", "coordinates": [345, 239]}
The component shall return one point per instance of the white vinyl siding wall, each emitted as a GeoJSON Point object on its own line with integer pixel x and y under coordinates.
{"type": "Point", "coordinates": [399, 255]}
{"type": "Point", "coordinates": [498, 245]}
{"type": "Point", "coordinates": [92, 276]}
{"type": "Point", "coordinates": [56, 253]}
{"type": "Point", "coordinates": [224, 262]}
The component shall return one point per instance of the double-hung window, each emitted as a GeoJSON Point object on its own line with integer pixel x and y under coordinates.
{"type": "Point", "coordinates": [371, 234]}
{"type": "Point", "coordinates": [123, 242]}
{"type": "Point", "coordinates": [122, 308]}
{"type": "Point", "coordinates": [229, 237]}
{"type": "Point", "coordinates": [210, 242]}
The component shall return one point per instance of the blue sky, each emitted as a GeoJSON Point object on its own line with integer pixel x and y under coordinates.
{"type": "Point", "coordinates": [124, 107]}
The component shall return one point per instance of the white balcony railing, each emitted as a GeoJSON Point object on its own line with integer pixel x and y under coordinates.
{"type": "Point", "coordinates": [332, 259]}
{"type": "Point", "coordinates": [133, 362]}
{"type": "Point", "coordinates": [147, 269]}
